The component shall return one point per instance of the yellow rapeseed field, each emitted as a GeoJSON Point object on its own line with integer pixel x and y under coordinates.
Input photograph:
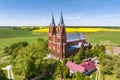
{"type": "Point", "coordinates": [70, 30]}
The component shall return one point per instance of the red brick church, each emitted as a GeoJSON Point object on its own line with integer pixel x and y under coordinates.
{"type": "Point", "coordinates": [62, 44]}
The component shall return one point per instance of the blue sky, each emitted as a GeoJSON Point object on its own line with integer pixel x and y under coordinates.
{"type": "Point", "coordinates": [75, 12]}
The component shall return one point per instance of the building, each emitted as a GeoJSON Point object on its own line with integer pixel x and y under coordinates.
{"type": "Point", "coordinates": [85, 68]}
{"type": "Point", "coordinates": [62, 44]}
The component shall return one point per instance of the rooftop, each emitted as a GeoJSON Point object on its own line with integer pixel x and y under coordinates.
{"type": "Point", "coordinates": [74, 36]}
{"type": "Point", "coordinates": [74, 46]}
{"type": "Point", "coordinates": [85, 66]}
{"type": "Point", "coordinates": [74, 67]}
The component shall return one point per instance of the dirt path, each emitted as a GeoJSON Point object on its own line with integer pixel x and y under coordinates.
{"type": "Point", "coordinates": [116, 50]}
{"type": "Point", "coordinates": [49, 56]}
{"type": "Point", "coordinates": [98, 72]}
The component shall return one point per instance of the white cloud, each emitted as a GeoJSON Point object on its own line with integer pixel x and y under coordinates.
{"type": "Point", "coordinates": [72, 17]}
{"type": "Point", "coordinates": [78, 17]}
{"type": "Point", "coordinates": [44, 22]}
{"type": "Point", "coordinates": [107, 16]}
{"type": "Point", "coordinates": [69, 20]}
{"type": "Point", "coordinates": [69, 17]}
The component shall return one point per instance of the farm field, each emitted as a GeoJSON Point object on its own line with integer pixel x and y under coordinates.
{"type": "Point", "coordinates": [9, 36]}
{"type": "Point", "coordinates": [93, 35]}
{"type": "Point", "coordinates": [105, 38]}
{"type": "Point", "coordinates": [80, 29]}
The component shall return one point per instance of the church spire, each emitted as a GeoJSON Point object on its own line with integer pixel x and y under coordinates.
{"type": "Point", "coordinates": [61, 20]}
{"type": "Point", "coordinates": [53, 22]}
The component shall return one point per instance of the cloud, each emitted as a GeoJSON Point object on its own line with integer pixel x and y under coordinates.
{"type": "Point", "coordinates": [78, 17]}
{"type": "Point", "coordinates": [107, 16]}
{"type": "Point", "coordinates": [72, 17]}
{"type": "Point", "coordinates": [69, 17]}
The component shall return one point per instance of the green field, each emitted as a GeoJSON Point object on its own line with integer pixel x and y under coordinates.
{"type": "Point", "coordinates": [111, 38]}
{"type": "Point", "coordinates": [9, 36]}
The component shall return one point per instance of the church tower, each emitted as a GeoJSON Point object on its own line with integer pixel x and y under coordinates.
{"type": "Point", "coordinates": [61, 38]}
{"type": "Point", "coordinates": [52, 35]}
{"type": "Point", "coordinates": [62, 44]}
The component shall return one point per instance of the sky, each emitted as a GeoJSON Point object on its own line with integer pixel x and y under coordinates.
{"type": "Point", "coordinates": [75, 12]}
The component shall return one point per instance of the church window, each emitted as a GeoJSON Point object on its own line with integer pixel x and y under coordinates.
{"type": "Point", "coordinates": [58, 40]}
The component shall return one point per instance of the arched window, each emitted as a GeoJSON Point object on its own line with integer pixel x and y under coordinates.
{"type": "Point", "coordinates": [63, 31]}
{"type": "Point", "coordinates": [58, 40]}
{"type": "Point", "coordinates": [58, 47]}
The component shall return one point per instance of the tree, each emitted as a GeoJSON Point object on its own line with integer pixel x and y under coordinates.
{"type": "Point", "coordinates": [77, 59]}
{"type": "Point", "coordinates": [6, 49]}
{"type": "Point", "coordinates": [14, 47]}
{"type": "Point", "coordinates": [64, 61]}
{"type": "Point", "coordinates": [28, 61]}
{"type": "Point", "coordinates": [118, 73]}
{"type": "Point", "coordinates": [78, 76]}
{"type": "Point", "coordinates": [40, 39]}
{"type": "Point", "coordinates": [87, 53]}
{"type": "Point", "coordinates": [117, 61]}
{"type": "Point", "coordinates": [61, 71]}
{"type": "Point", "coordinates": [86, 78]}
{"type": "Point", "coordinates": [102, 56]}
{"type": "Point", "coordinates": [2, 75]}
{"type": "Point", "coordinates": [90, 46]}
{"type": "Point", "coordinates": [65, 72]}
{"type": "Point", "coordinates": [107, 66]}
{"type": "Point", "coordinates": [71, 58]}
{"type": "Point", "coordinates": [81, 54]}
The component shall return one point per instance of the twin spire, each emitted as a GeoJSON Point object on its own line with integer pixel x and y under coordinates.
{"type": "Point", "coordinates": [53, 22]}
{"type": "Point", "coordinates": [61, 23]}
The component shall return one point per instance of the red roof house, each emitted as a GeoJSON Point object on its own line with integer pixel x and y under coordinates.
{"type": "Point", "coordinates": [75, 67]}
{"type": "Point", "coordinates": [85, 67]}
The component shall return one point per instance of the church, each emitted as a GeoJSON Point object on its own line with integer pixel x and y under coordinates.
{"type": "Point", "coordinates": [62, 44]}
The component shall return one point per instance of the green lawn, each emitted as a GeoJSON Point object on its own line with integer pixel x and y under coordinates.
{"type": "Point", "coordinates": [110, 38]}
{"type": "Point", "coordinates": [10, 33]}
{"type": "Point", "coordinates": [9, 36]}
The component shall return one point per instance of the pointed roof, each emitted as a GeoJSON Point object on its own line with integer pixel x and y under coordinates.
{"type": "Point", "coordinates": [53, 22]}
{"type": "Point", "coordinates": [61, 20]}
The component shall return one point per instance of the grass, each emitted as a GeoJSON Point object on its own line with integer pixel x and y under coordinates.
{"type": "Point", "coordinates": [112, 76]}
{"type": "Point", "coordinates": [9, 36]}
{"type": "Point", "coordinates": [10, 33]}
{"type": "Point", "coordinates": [110, 38]}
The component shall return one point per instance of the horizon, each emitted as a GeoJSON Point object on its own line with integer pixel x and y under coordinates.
{"type": "Point", "coordinates": [75, 12]}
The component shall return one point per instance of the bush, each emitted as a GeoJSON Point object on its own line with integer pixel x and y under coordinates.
{"type": "Point", "coordinates": [12, 47]}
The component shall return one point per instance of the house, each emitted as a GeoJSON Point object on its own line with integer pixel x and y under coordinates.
{"type": "Point", "coordinates": [85, 67]}
{"type": "Point", "coordinates": [62, 44]}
